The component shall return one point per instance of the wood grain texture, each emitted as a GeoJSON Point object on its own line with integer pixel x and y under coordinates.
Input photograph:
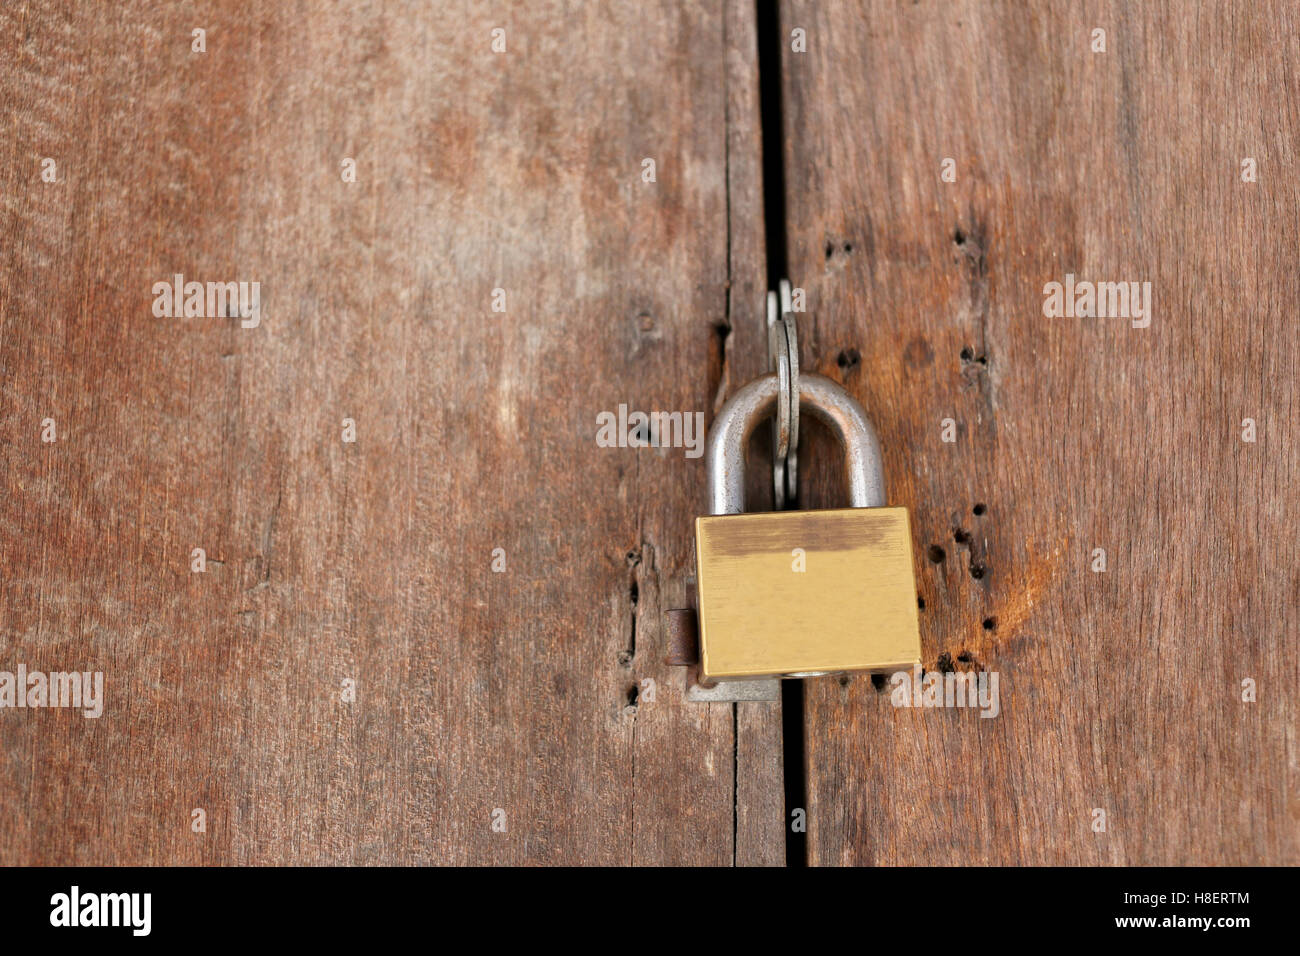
{"type": "Point", "coordinates": [1119, 690]}
{"type": "Point", "coordinates": [760, 767]}
{"type": "Point", "coordinates": [475, 431]}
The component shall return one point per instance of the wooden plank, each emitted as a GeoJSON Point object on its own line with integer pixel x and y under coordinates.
{"type": "Point", "coordinates": [760, 773]}
{"type": "Point", "coordinates": [1122, 690]}
{"type": "Point", "coordinates": [475, 430]}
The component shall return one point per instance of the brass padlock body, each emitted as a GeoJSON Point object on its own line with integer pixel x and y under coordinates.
{"type": "Point", "coordinates": [852, 607]}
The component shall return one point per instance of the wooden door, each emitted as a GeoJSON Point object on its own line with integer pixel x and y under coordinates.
{"type": "Point", "coordinates": [428, 624]}
{"type": "Point", "coordinates": [499, 716]}
{"type": "Point", "coordinates": [1121, 690]}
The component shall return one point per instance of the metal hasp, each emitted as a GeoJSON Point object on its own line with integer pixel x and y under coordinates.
{"type": "Point", "coordinates": [802, 593]}
{"type": "Point", "coordinates": [683, 643]}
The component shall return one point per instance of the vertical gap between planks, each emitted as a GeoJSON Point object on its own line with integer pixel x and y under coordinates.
{"type": "Point", "coordinates": [768, 25]}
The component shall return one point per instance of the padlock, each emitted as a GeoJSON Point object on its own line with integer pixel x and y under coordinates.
{"type": "Point", "coordinates": [802, 593]}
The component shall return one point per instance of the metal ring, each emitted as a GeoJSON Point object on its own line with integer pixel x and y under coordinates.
{"type": "Point", "coordinates": [790, 323]}
{"type": "Point", "coordinates": [778, 358]}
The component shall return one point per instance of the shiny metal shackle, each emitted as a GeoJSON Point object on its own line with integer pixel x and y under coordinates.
{"type": "Point", "coordinates": [755, 403]}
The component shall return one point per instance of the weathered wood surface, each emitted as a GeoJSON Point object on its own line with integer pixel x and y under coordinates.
{"type": "Point", "coordinates": [760, 768]}
{"type": "Point", "coordinates": [1120, 690]}
{"type": "Point", "coordinates": [475, 431]}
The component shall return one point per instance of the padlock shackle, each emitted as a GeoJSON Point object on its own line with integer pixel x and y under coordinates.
{"type": "Point", "coordinates": [755, 403]}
